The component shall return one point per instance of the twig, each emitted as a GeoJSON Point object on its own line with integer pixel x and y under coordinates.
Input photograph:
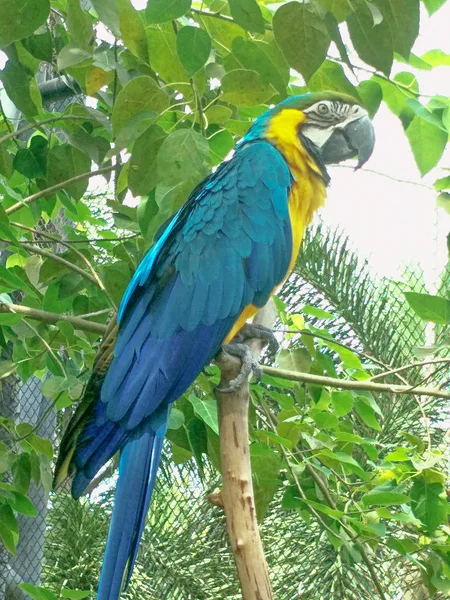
{"type": "Point", "coordinates": [329, 500]}
{"type": "Point", "coordinates": [237, 494]}
{"type": "Point", "coordinates": [52, 318]}
{"type": "Point", "coordinates": [217, 15]}
{"type": "Point", "coordinates": [419, 363]}
{"type": "Point", "coordinates": [108, 472]}
{"type": "Point", "coordinates": [345, 384]}
{"type": "Point", "coordinates": [18, 132]}
{"type": "Point", "coordinates": [57, 240]}
{"type": "Point", "coordinates": [48, 347]}
{"type": "Point", "coordinates": [391, 177]}
{"type": "Point", "coordinates": [58, 186]}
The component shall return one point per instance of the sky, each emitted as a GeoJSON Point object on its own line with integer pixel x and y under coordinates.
{"type": "Point", "coordinates": [394, 224]}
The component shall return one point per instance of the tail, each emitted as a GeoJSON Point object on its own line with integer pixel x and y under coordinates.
{"type": "Point", "coordinates": [138, 465]}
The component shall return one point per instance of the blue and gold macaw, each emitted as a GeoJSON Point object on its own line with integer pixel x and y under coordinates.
{"type": "Point", "coordinates": [216, 263]}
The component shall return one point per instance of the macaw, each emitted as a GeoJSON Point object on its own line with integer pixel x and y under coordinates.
{"type": "Point", "coordinates": [219, 259]}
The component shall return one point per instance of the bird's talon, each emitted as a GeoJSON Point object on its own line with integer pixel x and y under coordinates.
{"type": "Point", "coordinates": [250, 366]}
{"type": "Point", "coordinates": [251, 331]}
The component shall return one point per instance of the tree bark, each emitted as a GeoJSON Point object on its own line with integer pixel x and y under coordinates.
{"type": "Point", "coordinates": [237, 497]}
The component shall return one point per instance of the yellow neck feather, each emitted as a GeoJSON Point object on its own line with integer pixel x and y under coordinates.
{"type": "Point", "coordinates": [308, 190]}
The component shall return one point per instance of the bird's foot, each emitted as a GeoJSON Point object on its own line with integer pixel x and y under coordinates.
{"type": "Point", "coordinates": [249, 366]}
{"type": "Point", "coordinates": [251, 331]}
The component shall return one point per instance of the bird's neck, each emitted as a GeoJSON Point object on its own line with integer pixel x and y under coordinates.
{"type": "Point", "coordinates": [308, 190]}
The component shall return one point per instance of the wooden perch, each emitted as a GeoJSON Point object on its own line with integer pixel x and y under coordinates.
{"type": "Point", "coordinates": [237, 497]}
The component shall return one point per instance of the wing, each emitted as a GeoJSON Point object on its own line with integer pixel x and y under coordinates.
{"type": "Point", "coordinates": [226, 249]}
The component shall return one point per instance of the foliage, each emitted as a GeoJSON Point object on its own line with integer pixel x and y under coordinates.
{"type": "Point", "coordinates": [172, 87]}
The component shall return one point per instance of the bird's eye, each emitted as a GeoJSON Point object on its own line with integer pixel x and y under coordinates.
{"type": "Point", "coordinates": [322, 108]}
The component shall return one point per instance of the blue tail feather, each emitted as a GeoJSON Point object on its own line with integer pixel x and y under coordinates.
{"type": "Point", "coordinates": [137, 474]}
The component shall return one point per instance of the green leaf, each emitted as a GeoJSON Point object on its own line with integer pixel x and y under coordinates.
{"type": "Point", "coordinates": [402, 16]}
{"type": "Point", "coordinates": [143, 171]}
{"type": "Point", "coordinates": [397, 100]}
{"type": "Point", "coordinates": [41, 445]}
{"type": "Point", "coordinates": [21, 471]}
{"type": "Point", "coordinates": [222, 33]}
{"type": "Point", "coordinates": [217, 115]}
{"type": "Point", "coordinates": [182, 154]}
{"type": "Point", "coordinates": [427, 143]}
{"type": "Point", "coordinates": [6, 162]}
{"type": "Point", "coordinates": [176, 418]}
{"type": "Point", "coordinates": [206, 410]}
{"type": "Point", "coordinates": [414, 441]}
{"type": "Point", "coordinates": [18, 85]}
{"type": "Point", "coordinates": [21, 18]}
{"type": "Point", "coordinates": [259, 56]}
{"type": "Point", "coordinates": [367, 415]}
{"type": "Point", "coordinates": [339, 8]}
{"type": "Point", "coordinates": [429, 503]}
{"type": "Point", "coordinates": [324, 420]}
{"type": "Point", "coordinates": [433, 5]}
{"type": "Point", "coordinates": [71, 56]}
{"type": "Point", "coordinates": [342, 402]}
{"type": "Point", "coordinates": [193, 48]}
{"type": "Point", "coordinates": [372, 42]}
{"type": "Point", "coordinates": [132, 29]}
{"type": "Point", "coordinates": [108, 11]}
{"type": "Point", "coordinates": [220, 144]}
{"type": "Point", "coordinates": [162, 48]}
{"type": "Point", "coordinates": [160, 11]}
{"type": "Point", "coordinates": [137, 96]}
{"type": "Point", "coordinates": [32, 161]}
{"type": "Point", "coordinates": [75, 594]}
{"type": "Point", "coordinates": [12, 282]}
{"type": "Point", "coordinates": [429, 308]}
{"type": "Point", "coordinates": [245, 88]}
{"type": "Point", "coordinates": [385, 499]}
{"type": "Point", "coordinates": [331, 76]}
{"type": "Point", "coordinates": [39, 45]}
{"type": "Point", "coordinates": [437, 58]}
{"type": "Point", "coordinates": [79, 24]}
{"type": "Point", "coordinates": [22, 504]}
{"type": "Point", "coordinates": [297, 359]}
{"type": "Point", "coordinates": [7, 367]}
{"type": "Point", "coordinates": [302, 37]}
{"type": "Point", "coordinates": [64, 162]}
{"type": "Point", "coordinates": [371, 95]}
{"type": "Point", "coordinates": [9, 528]}
{"type": "Point", "coordinates": [247, 14]}
{"type": "Point", "coordinates": [36, 592]}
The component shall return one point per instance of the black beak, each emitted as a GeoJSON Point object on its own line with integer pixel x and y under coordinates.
{"type": "Point", "coordinates": [355, 139]}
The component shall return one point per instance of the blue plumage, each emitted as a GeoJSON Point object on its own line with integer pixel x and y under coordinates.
{"type": "Point", "coordinates": [228, 247]}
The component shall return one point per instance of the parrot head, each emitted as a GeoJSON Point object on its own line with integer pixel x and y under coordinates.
{"type": "Point", "coordinates": [332, 126]}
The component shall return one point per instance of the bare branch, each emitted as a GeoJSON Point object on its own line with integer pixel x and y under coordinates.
{"type": "Point", "coordinates": [18, 132]}
{"type": "Point", "coordinates": [345, 384]}
{"type": "Point", "coordinates": [52, 318]}
{"type": "Point", "coordinates": [58, 186]}
{"type": "Point", "coordinates": [237, 495]}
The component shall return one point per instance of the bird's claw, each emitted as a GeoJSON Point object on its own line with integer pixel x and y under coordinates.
{"type": "Point", "coordinates": [249, 366]}
{"type": "Point", "coordinates": [251, 331]}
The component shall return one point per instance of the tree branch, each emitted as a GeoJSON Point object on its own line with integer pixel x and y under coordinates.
{"type": "Point", "coordinates": [237, 495]}
{"type": "Point", "coordinates": [95, 277]}
{"type": "Point", "coordinates": [58, 186]}
{"type": "Point", "coordinates": [18, 132]}
{"type": "Point", "coordinates": [346, 384]}
{"type": "Point", "coordinates": [52, 318]}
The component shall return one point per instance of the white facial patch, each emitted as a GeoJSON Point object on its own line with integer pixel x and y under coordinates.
{"type": "Point", "coordinates": [326, 116]}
